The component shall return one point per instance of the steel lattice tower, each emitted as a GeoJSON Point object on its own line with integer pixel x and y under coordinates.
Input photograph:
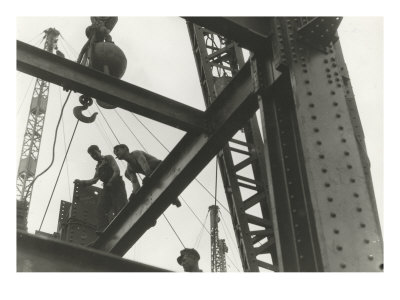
{"type": "Point", "coordinates": [242, 160]}
{"type": "Point", "coordinates": [33, 137]}
{"type": "Point", "coordinates": [218, 246]}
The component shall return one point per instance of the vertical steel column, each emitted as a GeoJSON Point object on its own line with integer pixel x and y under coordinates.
{"type": "Point", "coordinates": [32, 138]}
{"type": "Point", "coordinates": [318, 168]}
{"type": "Point", "coordinates": [78, 221]}
{"type": "Point", "coordinates": [244, 180]}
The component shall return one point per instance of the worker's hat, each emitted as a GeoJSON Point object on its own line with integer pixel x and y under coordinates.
{"type": "Point", "coordinates": [190, 252]}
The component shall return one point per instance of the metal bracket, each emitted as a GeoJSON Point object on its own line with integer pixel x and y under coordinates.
{"type": "Point", "coordinates": [258, 74]}
{"type": "Point", "coordinates": [320, 32]}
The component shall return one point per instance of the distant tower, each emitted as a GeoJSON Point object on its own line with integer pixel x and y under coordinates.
{"type": "Point", "coordinates": [218, 247]}
{"type": "Point", "coordinates": [33, 136]}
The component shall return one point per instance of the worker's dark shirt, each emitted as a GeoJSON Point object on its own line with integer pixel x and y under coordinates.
{"type": "Point", "coordinates": [103, 168]}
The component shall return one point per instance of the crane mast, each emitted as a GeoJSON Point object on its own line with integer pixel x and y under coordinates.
{"type": "Point", "coordinates": [218, 246]}
{"type": "Point", "coordinates": [33, 136]}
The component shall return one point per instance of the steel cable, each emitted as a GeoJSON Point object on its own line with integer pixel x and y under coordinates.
{"type": "Point", "coordinates": [59, 173]}
{"type": "Point", "coordinates": [65, 148]}
{"type": "Point", "coordinates": [139, 175]}
{"type": "Point", "coordinates": [54, 145]}
{"type": "Point", "coordinates": [205, 188]}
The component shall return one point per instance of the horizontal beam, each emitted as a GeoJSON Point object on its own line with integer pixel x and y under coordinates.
{"type": "Point", "coordinates": [249, 32]}
{"type": "Point", "coordinates": [234, 106]}
{"type": "Point", "coordinates": [39, 254]}
{"type": "Point", "coordinates": [76, 77]}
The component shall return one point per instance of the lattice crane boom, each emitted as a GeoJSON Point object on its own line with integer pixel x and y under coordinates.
{"type": "Point", "coordinates": [33, 136]}
{"type": "Point", "coordinates": [218, 246]}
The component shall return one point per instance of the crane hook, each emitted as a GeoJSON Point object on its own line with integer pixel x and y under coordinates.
{"type": "Point", "coordinates": [86, 102]}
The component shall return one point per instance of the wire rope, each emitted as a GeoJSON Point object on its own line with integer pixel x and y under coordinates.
{"type": "Point", "coordinates": [30, 83]}
{"type": "Point", "coordinates": [108, 124]}
{"type": "Point", "coordinates": [54, 145]}
{"type": "Point", "coordinates": [66, 50]}
{"type": "Point", "coordinates": [26, 93]}
{"type": "Point", "coordinates": [197, 243]}
{"type": "Point", "coordinates": [35, 37]}
{"type": "Point", "coordinates": [172, 227]}
{"type": "Point", "coordinates": [65, 148]}
{"type": "Point", "coordinates": [102, 131]}
{"type": "Point", "coordinates": [59, 173]}
{"type": "Point", "coordinates": [144, 148]}
{"type": "Point", "coordinates": [69, 45]}
{"type": "Point", "coordinates": [204, 187]}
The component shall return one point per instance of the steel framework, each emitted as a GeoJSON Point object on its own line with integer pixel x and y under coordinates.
{"type": "Point", "coordinates": [78, 220]}
{"type": "Point", "coordinates": [218, 246]}
{"type": "Point", "coordinates": [32, 137]}
{"type": "Point", "coordinates": [321, 204]}
{"type": "Point", "coordinates": [244, 177]}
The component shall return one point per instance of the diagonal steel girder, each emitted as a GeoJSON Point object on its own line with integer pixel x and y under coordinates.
{"type": "Point", "coordinates": [70, 75]}
{"type": "Point", "coordinates": [251, 33]}
{"type": "Point", "coordinates": [234, 106]}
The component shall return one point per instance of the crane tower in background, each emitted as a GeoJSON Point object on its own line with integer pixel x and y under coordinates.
{"type": "Point", "coordinates": [218, 246]}
{"type": "Point", "coordinates": [33, 136]}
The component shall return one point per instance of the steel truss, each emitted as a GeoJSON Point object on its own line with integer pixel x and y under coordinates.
{"type": "Point", "coordinates": [32, 138]}
{"type": "Point", "coordinates": [323, 212]}
{"type": "Point", "coordinates": [218, 60]}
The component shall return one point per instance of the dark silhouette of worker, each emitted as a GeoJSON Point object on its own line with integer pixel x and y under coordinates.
{"type": "Point", "coordinates": [101, 28]}
{"type": "Point", "coordinates": [98, 31]}
{"type": "Point", "coordinates": [189, 260]}
{"type": "Point", "coordinates": [114, 193]}
{"type": "Point", "coordinates": [138, 162]}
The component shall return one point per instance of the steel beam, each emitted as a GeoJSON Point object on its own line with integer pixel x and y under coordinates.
{"type": "Point", "coordinates": [317, 167]}
{"type": "Point", "coordinates": [232, 108]}
{"type": "Point", "coordinates": [40, 254]}
{"type": "Point", "coordinates": [249, 32]}
{"type": "Point", "coordinates": [70, 75]}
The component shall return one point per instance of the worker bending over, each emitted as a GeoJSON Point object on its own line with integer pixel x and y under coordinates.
{"type": "Point", "coordinates": [189, 260]}
{"type": "Point", "coordinates": [114, 193]}
{"type": "Point", "coordinates": [98, 32]}
{"type": "Point", "coordinates": [101, 28]}
{"type": "Point", "coordinates": [138, 162]}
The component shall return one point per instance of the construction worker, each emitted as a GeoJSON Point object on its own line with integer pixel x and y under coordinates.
{"type": "Point", "coordinates": [114, 193]}
{"type": "Point", "coordinates": [99, 31]}
{"type": "Point", "coordinates": [101, 27]}
{"type": "Point", "coordinates": [189, 260]}
{"type": "Point", "coordinates": [138, 162]}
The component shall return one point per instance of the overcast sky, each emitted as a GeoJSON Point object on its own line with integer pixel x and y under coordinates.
{"type": "Point", "coordinates": [164, 63]}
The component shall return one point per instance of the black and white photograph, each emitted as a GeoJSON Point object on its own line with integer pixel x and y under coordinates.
{"type": "Point", "coordinates": [200, 143]}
